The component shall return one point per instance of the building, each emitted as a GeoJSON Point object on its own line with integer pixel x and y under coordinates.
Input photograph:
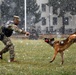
{"type": "Point", "coordinates": [51, 23]}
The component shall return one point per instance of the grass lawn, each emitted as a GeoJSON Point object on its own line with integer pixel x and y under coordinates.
{"type": "Point", "coordinates": [33, 58]}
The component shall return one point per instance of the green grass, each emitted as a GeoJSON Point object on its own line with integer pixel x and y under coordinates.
{"type": "Point", "coordinates": [33, 58]}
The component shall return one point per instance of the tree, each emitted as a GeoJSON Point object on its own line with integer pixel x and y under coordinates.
{"type": "Point", "coordinates": [19, 10]}
{"type": "Point", "coordinates": [33, 16]}
{"type": "Point", "coordinates": [9, 8]}
{"type": "Point", "coordinates": [16, 7]}
{"type": "Point", "coordinates": [33, 11]}
{"type": "Point", "coordinates": [64, 6]}
{"type": "Point", "coordinates": [4, 10]}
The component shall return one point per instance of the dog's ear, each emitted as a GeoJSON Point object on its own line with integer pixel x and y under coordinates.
{"type": "Point", "coordinates": [52, 39]}
{"type": "Point", "coordinates": [45, 38]}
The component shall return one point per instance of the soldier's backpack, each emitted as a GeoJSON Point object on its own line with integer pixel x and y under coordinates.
{"type": "Point", "coordinates": [7, 32]}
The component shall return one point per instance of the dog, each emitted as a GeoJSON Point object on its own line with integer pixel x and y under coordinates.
{"type": "Point", "coordinates": [60, 46]}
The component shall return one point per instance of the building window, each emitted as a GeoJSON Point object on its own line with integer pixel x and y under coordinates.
{"type": "Point", "coordinates": [47, 30]}
{"type": "Point", "coordinates": [54, 20]}
{"type": "Point", "coordinates": [43, 21]}
{"type": "Point", "coordinates": [51, 28]}
{"type": "Point", "coordinates": [66, 21]}
{"type": "Point", "coordinates": [43, 7]}
{"type": "Point", "coordinates": [54, 11]}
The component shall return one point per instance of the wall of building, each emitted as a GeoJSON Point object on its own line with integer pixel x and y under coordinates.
{"type": "Point", "coordinates": [48, 14]}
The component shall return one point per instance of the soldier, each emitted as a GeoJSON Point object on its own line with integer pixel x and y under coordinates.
{"type": "Point", "coordinates": [5, 33]}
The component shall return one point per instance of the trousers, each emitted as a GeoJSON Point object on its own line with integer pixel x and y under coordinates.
{"type": "Point", "coordinates": [8, 47]}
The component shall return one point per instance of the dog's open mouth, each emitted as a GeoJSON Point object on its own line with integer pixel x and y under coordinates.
{"type": "Point", "coordinates": [46, 40]}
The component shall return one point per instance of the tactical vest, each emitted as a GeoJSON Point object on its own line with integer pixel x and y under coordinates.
{"type": "Point", "coordinates": [7, 32]}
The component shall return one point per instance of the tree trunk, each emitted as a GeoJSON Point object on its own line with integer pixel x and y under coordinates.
{"type": "Point", "coordinates": [63, 27]}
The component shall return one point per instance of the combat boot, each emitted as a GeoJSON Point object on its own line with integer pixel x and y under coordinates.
{"type": "Point", "coordinates": [12, 60]}
{"type": "Point", "coordinates": [1, 55]}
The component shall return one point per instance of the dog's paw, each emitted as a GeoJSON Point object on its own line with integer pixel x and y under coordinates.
{"type": "Point", "coordinates": [51, 61]}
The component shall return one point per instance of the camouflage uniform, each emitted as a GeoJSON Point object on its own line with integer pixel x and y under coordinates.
{"type": "Point", "coordinates": [6, 40]}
